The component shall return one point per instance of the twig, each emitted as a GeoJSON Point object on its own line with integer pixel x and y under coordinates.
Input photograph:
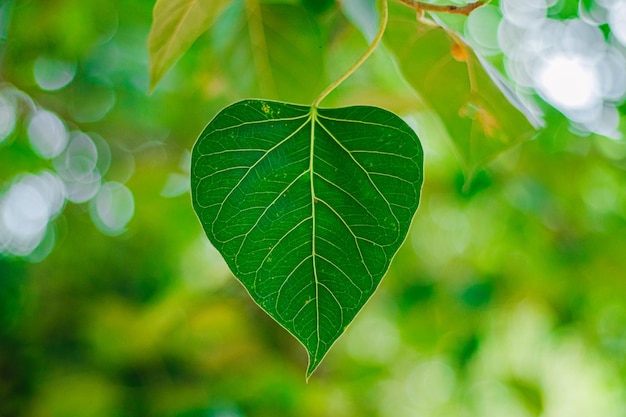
{"type": "Point", "coordinates": [421, 7]}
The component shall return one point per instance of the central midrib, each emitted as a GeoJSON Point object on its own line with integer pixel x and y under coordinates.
{"type": "Point", "coordinates": [313, 231]}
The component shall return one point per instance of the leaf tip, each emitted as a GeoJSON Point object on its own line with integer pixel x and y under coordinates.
{"type": "Point", "coordinates": [152, 86]}
{"type": "Point", "coordinates": [309, 372]}
{"type": "Point", "coordinates": [314, 362]}
{"type": "Point", "coordinates": [156, 74]}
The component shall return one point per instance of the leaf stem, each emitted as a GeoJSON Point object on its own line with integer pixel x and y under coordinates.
{"type": "Point", "coordinates": [357, 64]}
{"type": "Point", "coordinates": [421, 6]}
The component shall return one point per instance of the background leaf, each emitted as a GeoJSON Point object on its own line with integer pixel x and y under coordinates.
{"type": "Point", "coordinates": [258, 44]}
{"type": "Point", "coordinates": [318, 6]}
{"type": "Point", "coordinates": [363, 15]}
{"type": "Point", "coordinates": [308, 207]}
{"type": "Point", "coordinates": [176, 25]}
{"type": "Point", "coordinates": [480, 119]}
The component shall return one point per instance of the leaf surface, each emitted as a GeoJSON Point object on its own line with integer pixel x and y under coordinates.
{"type": "Point", "coordinates": [307, 206]}
{"type": "Point", "coordinates": [480, 118]}
{"type": "Point", "coordinates": [176, 24]}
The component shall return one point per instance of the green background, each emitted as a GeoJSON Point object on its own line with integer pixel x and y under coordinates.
{"type": "Point", "coordinates": [506, 299]}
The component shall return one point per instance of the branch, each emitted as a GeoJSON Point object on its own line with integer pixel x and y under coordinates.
{"type": "Point", "coordinates": [421, 7]}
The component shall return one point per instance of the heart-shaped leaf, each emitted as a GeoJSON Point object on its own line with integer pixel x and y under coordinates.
{"type": "Point", "coordinates": [307, 206]}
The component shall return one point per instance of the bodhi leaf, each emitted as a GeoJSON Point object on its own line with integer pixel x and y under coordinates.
{"type": "Point", "coordinates": [176, 24]}
{"type": "Point", "coordinates": [307, 206]}
{"type": "Point", "coordinates": [480, 119]}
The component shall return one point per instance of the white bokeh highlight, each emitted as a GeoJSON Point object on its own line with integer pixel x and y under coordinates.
{"type": "Point", "coordinates": [8, 117]}
{"type": "Point", "coordinates": [617, 20]}
{"type": "Point", "coordinates": [112, 208]}
{"type": "Point", "coordinates": [53, 74]}
{"type": "Point", "coordinates": [31, 202]}
{"type": "Point", "coordinates": [47, 134]}
{"type": "Point", "coordinates": [568, 63]}
{"type": "Point", "coordinates": [568, 82]}
{"type": "Point", "coordinates": [26, 209]}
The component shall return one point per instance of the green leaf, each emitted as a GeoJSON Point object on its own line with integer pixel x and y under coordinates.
{"type": "Point", "coordinates": [176, 24]}
{"type": "Point", "coordinates": [307, 206]}
{"type": "Point", "coordinates": [478, 113]}
{"type": "Point", "coordinates": [318, 6]}
{"type": "Point", "coordinates": [271, 50]}
{"type": "Point", "coordinates": [363, 15]}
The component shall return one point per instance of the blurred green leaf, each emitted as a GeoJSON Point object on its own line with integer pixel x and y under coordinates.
{"type": "Point", "coordinates": [318, 6]}
{"type": "Point", "coordinates": [530, 393]}
{"type": "Point", "coordinates": [176, 25]}
{"type": "Point", "coordinates": [363, 15]}
{"type": "Point", "coordinates": [562, 10]}
{"type": "Point", "coordinates": [271, 50]}
{"type": "Point", "coordinates": [308, 207]}
{"type": "Point", "coordinates": [479, 117]}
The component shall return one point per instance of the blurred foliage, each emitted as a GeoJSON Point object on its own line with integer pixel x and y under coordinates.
{"type": "Point", "coordinates": [175, 26]}
{"type": "Point", "coordinates": [480, 120]}
{"type": "Point", "coordinates": [506, 299]}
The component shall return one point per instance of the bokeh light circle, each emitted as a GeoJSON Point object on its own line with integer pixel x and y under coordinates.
{"type": "Point", "coordinates": [47, 134]}
{"type": "Point", "coordinates": [568, 82]}
{"type": "Point", "coordinates": [112, 208]}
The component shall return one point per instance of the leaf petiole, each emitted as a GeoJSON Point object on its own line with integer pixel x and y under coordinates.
{"type": "Point", "coordinates": [360, 61]}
